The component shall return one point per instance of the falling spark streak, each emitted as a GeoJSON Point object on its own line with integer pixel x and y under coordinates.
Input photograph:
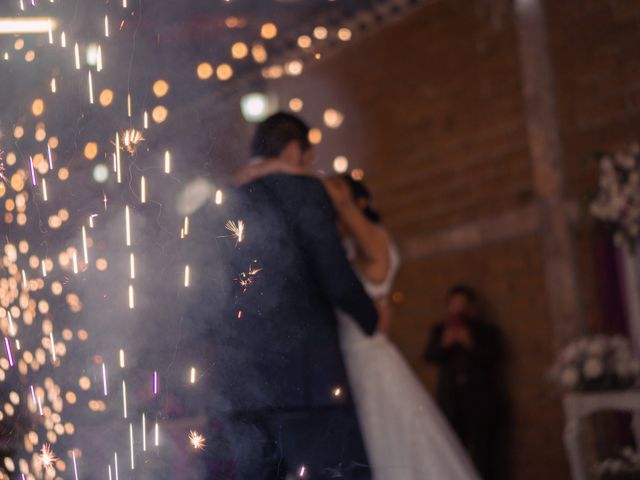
{"type": "Point", "coordinates": [50, 31]}
{"type": "Point", "coordinates": [129, 105]}
{"type": "Point", "coordinates": [155, 383]}
{"type": "Point", "coordinates": [186, 276]}
{"type": "Point", "coordinates": [145, 120]}
{"type": "Point", "coordinates": [218, 197]}
{"type": "Point", "coordinates": [104, 200]}
{"type": "Point", "coordinates": [193, 375]}
{"type": "Point", "coordinates": [144, 434]}
{"type": "Point", "coordinates": [33, 172]}
{"type": "Point", "coordinates": [75, 466]}
{"type": "Point", "coordinates": [133, 465]}
{"type": "Point", "coordinates": [17, 344]}
{"type": "Point", "coordinates": [118, 165]}
{"type": "Point", "coordinates": [106, 26]}
{"type": "Point", "coordinates": [115, 162]}
{"type": "Point", "coordinates": [53, 347]}
{"type": "Point", "coordinates": [24, 280]}
{"type": "Point", "coordinates": [53, 86]}
{"type": "Point", "coordinates": [44, 269]}
{"type": "Point", "coordinates": [186, 226]}
{"type": "Point", "coordinates": [40, 406]}
{"type": "Point", "coordinates": [237, 230]}
{"type": "Point", "coordinates": [74, 256]}
{"type": "Point", "coordinates": [302, 471]}
{"type": "Point", "coordinates": [124, 399]}
{"type": "Point", "coordinates": [121, 358]}
{"type": "Point", "coordinates": [63, 40]}
{"type": "Point", "coordinates": [156, 435]}
{"type": "Point", "coordinates": [47, 457]}
{"type": "Point", "coordinates": [49, 154]}
{"type": "Point", "coordinates": [99, 59]}
{"type": "Point", "coordinates": [115, 462]}
{"type": "Point", "coordinates": [131, 302]}
{"type": "Point", "coordinates": [7, 347]}
{"type": "Point", "coordinates": [22, 5]}
{"type": "Point", "coordinates": [104, 379]}
{"type": "Point", "coordinates": [76, 52]}
{"type": "Point", "coordinates": [196, 440]}
{"type": "Point", "coordinates": [127, 219]}
{"type": "Point", "coordinates": [124, 3]}
{"type": "Point", "coordinates": [85, 252]}
{"type": "Point", "coordinates": [91, 217]}
{"type": "Point", "coordinates": [90, 88]}
{"type": "Point", "coordinates": [33, 395]}
{"type": "Point", "coordinates": [143, 190]}
{"type": "Point", "coordinates": [110, 477]}
{"type": "Point", "coordinates": [44, 190]}
{"type": "Point", "coordinates": [167, 162]}
{"type": "Point", "coordinates": [132, 266]}
{"type": "Point", "coordinates": [12, 330]}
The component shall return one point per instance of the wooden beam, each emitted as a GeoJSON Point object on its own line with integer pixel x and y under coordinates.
{"type": "Point", "coordinates": [546, 157]}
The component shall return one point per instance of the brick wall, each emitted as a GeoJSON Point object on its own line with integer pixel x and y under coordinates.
{"type": "Point", "coordinates": [434, 114]}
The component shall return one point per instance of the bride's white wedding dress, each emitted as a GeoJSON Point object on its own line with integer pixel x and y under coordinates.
{"type": "Point", "coordinates": [406, 436]}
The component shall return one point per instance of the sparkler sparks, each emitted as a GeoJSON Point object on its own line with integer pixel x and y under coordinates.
{"type": "Point", "coordinates": [132, 266]}
{"type": "Point", "coordinates": [75, 465]}
{"type": "Point", "coordinates": [143, 190]}
{"type": "Point", "coordinates": [127, 227]}
{"type": "Point", "coordinates": [7, 348]}
{"type": "Point", "coordinates": [144, 433]}
{"type": "Point", "coordinates": [84, 245]}
{"type": "Point", "coordinates": [131, 298]}
{"type": "Point", "coordinates": [196, 440]}
{"type": "Point", "coordinates": [131, 138]}
{"type": "Point", "coordinates": [47, 457]}
{"type": "Point", "coordinates": [131, 451]}
{"type": "Point", "coordinates": [167, 162]}
{"type": "Point", "coordinates": [124, 399]}
{"type": "Point", "coordinates": [104, 379]}
{"type": "Point", "coordinates": [236, 229]}
{"type": "Point", "coordinates": [246, 279]}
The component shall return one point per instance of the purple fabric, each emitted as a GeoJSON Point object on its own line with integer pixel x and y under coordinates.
{"type": "Point", "coordinates": [610, 286]}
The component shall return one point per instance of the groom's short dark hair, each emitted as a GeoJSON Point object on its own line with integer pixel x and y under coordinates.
{"type": "Point", "coordinates": [273, 134]}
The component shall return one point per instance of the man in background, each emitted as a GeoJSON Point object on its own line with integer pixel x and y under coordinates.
{"type": "Point", "coordinates": [470, 353]}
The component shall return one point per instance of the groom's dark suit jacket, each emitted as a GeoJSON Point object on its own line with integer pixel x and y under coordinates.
{"type": "Point", "coordinates": [276, 337]}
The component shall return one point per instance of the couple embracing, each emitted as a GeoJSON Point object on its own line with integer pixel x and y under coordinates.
{"type": "Point", "coordinates": [305, 377]}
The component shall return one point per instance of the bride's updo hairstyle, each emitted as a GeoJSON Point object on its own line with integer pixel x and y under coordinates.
{"type": "Point", "coordinates": [362, 195]}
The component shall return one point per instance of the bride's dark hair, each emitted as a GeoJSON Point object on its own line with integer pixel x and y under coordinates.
{"type": "Point", "coordinates": [361, 192]}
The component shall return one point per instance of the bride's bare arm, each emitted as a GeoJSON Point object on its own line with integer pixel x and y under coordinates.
{"type": "Point", "coordinates": [372, 243]}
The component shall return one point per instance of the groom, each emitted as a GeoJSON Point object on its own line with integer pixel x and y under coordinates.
{"type": "Point", "coordinates": [291, 415]}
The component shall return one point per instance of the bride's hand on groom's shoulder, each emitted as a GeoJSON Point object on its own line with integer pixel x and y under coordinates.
{"type": "Point", "coordinates": [339, 192]}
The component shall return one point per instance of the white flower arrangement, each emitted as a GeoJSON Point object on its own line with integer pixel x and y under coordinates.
{"type": "Point", "coordinates": [597, 362]}
{"type": "Point", "coordinates": [617, 200]}
{"type": "Point", "coordinates": [624, 467]}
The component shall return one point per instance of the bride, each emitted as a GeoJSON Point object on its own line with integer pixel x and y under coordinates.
{"type": "Point", "coordinates": [406, 436]}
